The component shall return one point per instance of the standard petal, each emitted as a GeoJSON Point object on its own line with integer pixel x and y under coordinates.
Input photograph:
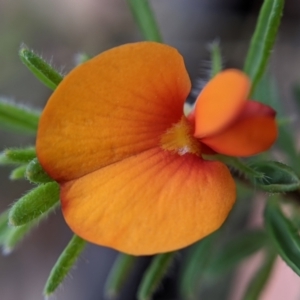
{"type": "Point", "coordinates": [255, 131]}
{"type": "Point", "coordinates": [152, 203]}
{"type": "Point", "coordinates": [115, 105]}
{"type": "Point", "coordinates": [220, 102]}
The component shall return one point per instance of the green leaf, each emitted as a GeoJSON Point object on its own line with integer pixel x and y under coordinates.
{"type": "Point", "coordinates": [36, 174]}
{"type": "Point", "coordinates": [42, 70]}
{"type": "Point", "coordinates": [15, 235]}
{"type": "Point", "coordinates": [154, 275]}
{"type": "Point", "coordinates": [64, 264]}
{"type": "Point", "coordinates": [18, 117]}
{"type": "Point", "coordinates": [145, 19]}
{"type": "Point", "coordinates": [19, 155]}
{"type": "Point", "coordinates": [35, 203]}
{"type": "Point", "coordinates": [277, 178]}
{"type": "Point", "coordinates": [18, 173]}
{"type": "Point", "coordinates": [236, 250]}
{"type": "Point", "coordinates": [283, 234]}
{"type": "Point", "coordinates": [263, 39]}
{"type": "Point", "coordinates": [194, 268]}
{"type": "Point", "coordinates": [118, 274]}
{"type": "Point", "coordinates": [260, 278]}
{"type": "Point", "coordinates": [216, 58]}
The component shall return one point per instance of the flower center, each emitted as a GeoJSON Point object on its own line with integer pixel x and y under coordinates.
{"type": "Point", "coordinates": [179, 139]}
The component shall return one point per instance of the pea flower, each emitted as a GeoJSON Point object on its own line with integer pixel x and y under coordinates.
{"type": "Point", "coordinates": [129, 163]}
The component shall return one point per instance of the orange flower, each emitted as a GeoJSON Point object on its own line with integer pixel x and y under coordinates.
{"type": "Point", "coordinates": [128, 161]}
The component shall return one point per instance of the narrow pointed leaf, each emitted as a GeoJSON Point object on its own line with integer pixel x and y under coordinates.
{"type": "Point", "coordinates": [261, 277]}
{"type": "Point", "coordinates": [145, 19]}
{"type": "Point", "coordinates": [154, 275]}
{"type": "Point", "coordinates": [15, 235]}
{"type": "Point", "coordinates": [277, 177]}
{"type": "Point", "coordinates": [64, 264]}
{"type": "Point", "coordinates": [42, 70]}
{"type": "Point", "coordinates": [35, 173]}
{"type": "Point", "coordinates": [263, 39]}
{"type": "Point", "coordinates": [18, 117]}
{"type": "Point", "coordinates": [236, 250]}
{"type": "Point", "coordinates": [35, 203]}
{"type": "Point", "coordinates": [18, 173]}
{"type": "Point", "coordinates": [283, 234]}
{"type": "Point", "coordinates": [20, 155]}
{"type": "Point", "coordinates": [118, 274]}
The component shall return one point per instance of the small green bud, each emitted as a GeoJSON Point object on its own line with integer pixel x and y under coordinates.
{"type": "Point", "coordinates": [36, 174]}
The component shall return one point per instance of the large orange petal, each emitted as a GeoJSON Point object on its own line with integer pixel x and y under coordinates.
{"type": "Point", "coordinates": [152, 203]}
{"type": "Point", "coordinates": [220, 102]}
{"type": "Point", "coordinates": [255, 131]}
{"type": "Point", "coordinates": [115, 105]}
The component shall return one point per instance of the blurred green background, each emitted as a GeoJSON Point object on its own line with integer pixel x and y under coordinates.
{"type": "Point", "coordinates": [61, 29]}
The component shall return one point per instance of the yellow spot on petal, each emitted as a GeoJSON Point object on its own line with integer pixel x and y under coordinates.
{"type": "Point", "coordinates": [179, 139]}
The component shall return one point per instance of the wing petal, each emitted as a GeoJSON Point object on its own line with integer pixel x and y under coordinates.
{"type": "Point", "coordinates": [154, 202]}
{"type": "Point", "coordinates": [111, 107]}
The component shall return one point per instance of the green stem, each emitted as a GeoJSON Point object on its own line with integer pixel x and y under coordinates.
{"type": "Point", "coordinates": [145, 19]}
{"type": "Point", "coordinates": [154, 275]}
{"type": "Point", "coordinates": [118, 274]}
{"type": "Point", "coordinates": [240, 166]}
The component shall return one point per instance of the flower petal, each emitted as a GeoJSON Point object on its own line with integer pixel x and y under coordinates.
{"type": "Point", "coordinates": [255, 131]}
{"type": "Point", "coordinates": [154, 202]}
{"type": "Point", "coordinates": [220, 102]}
{"type": "Point", "coordinates": [113, 106]}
